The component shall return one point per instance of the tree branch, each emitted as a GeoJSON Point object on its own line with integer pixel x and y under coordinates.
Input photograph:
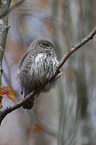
{"type": "Point", "coordinates": [3, 35]}
{"type": "Point", "coordinates": [63, 60]}
{"type": "Point", "coordinates": [76, 47]}
{"type": "Point", "coordinates": [10, 9]}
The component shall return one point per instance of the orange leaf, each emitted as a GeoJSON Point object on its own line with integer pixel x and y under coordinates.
{"type": "Point", "coordinates": [8, 91]}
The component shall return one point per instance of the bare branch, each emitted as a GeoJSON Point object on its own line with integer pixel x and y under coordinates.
{"type": "Point", "coordinates": [64, 59]}
{"type": "Point", "coordinates": [10, 9]}
{"type": "Point", "coordinates": [76, 47]}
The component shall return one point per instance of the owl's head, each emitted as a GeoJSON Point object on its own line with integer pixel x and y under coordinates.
{"type": "Point", "coordinates": [41, 43]}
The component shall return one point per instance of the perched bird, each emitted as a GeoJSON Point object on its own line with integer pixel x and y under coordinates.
{"type": "Point", "coordinates": [36, 66]}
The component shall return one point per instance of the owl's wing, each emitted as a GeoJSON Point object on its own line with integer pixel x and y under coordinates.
{"type": "Point", "coordinates": [23, 57]}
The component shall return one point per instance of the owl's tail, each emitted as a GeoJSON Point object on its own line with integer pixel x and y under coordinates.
{"type": "Point", "coordinates": [29, 105]}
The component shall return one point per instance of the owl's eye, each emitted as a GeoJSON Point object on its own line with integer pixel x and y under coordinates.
{"type": "Point", "coordinates": [48, 44]}
{"type": "Point", "coordinates": [44, 44]}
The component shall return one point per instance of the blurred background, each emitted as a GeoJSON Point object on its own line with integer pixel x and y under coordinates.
{"type": "Point", "coordinates": [67, 114]}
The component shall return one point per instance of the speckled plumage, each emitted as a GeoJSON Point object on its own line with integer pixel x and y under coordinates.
{"type": "Point", "coordinates": [36, 66]}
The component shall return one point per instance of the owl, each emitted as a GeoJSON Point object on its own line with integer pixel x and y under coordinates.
{"type": "Point", "coordinates": [37, 66]}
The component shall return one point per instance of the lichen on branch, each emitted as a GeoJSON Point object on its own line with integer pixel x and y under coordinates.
{"type": "Point", "coordinates": [4, 5]}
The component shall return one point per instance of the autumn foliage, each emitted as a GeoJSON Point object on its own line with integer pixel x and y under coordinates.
{"type": "Point", "coordinates": [7, 91]}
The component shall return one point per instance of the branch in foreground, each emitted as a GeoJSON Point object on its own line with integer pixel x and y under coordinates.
{"type": "Point", "coordinates": [10, 9]}
{"type": "Point", "coordinates": [64, 59]}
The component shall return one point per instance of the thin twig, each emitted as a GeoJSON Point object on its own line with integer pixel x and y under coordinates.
{"type": "Point", "coordinates": [10, 9]}
{"type": "Point", "coordinates": [66, 56]}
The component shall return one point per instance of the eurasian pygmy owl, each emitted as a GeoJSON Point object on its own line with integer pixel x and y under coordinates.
{"type": "Point", "coordinates": [36, 66]}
